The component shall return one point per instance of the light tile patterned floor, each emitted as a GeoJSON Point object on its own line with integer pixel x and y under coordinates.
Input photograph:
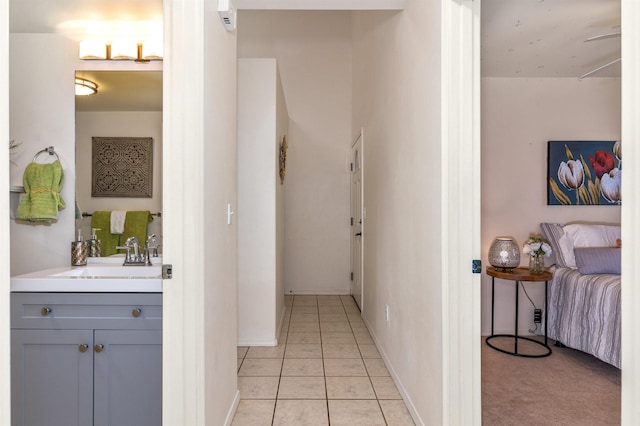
{"type": "Point", "coordinates": [324, 371]}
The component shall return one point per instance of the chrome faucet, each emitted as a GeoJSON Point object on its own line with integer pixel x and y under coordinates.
{"type": "Point", "coordinates": [133, 242]}
{"type": "Point", "coordinates": [132, 258]}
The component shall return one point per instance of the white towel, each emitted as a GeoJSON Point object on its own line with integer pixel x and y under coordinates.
{"type": "Point", "coordinates": [117, 221]}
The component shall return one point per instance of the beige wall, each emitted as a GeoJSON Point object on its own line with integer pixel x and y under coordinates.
{"type": "Point", "coordinates": [396, 99]}
{"type": "Point", "coordinates": [519, 116]}
{"type": "Point", "coordinates": [261, 125]}
{"type": "Point", "coordinates": [313, 50]}
{"type": "Point", "coordinates": [42, 107]}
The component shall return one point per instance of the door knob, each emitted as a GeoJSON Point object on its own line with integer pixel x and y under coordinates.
{"type": "Point", "coordinates": [45, 311]}
{"type": "Point", "coordinates": [98, 348]}
{"type": "Point", "coordinates": [83, 347]}
{"type": "Point", "coordinates": [136, 312]}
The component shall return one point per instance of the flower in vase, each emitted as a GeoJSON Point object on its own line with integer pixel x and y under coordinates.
{"type": "Point", "coordinates": [536, 246]}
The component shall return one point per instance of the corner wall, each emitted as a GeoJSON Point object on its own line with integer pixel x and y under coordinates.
{"type": "Point", "coordinates": [519, 116]}
{"type": "Point", "coordinates": [262, 121]}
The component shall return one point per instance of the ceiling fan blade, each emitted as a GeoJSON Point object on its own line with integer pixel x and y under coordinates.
{"type": "Point", "coordinates": [600, 68]}
{"type": "Point", "coordinates": [604, 36]}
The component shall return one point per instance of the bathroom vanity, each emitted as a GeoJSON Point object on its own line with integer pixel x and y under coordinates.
{"type": "Point", "coordinates": [91, 357]}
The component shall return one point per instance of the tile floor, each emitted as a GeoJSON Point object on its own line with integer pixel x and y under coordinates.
{"type": "Point", "coordinates": [324, 371]}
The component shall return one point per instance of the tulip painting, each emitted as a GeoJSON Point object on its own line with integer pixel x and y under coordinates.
{"type": "Point", "coordinates": [584, 173]}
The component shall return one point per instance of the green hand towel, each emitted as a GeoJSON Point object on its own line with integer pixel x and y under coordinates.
{"type": "Point", "coordinates": [135, 225]}
{"type": "Point", "coordinates": [102, 220]}
{"type": "Point", "coordinates": [42, 201]}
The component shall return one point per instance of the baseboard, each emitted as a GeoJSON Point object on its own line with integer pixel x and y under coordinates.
{"type": "Point", "coordinates": [392, 372]}
{"type": "Point", "coordinates": [282, 317]}
{"type": "Point", "coordinates": [316, 293]}
{"type": "Point", "coordinates": [258, 342]}
{"type": "Point", "coordinates": [232, 410]}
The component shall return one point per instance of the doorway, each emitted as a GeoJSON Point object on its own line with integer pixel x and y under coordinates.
{"type": "Point", "coordinates": [357, 216]}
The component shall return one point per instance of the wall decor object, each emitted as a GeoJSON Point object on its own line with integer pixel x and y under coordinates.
{"type": "Point", "coordinates": [122, 167]}
{"type": "Point", "coordinates": [283, 158]}
{"type": "Point", "coordinates": [584, 173]}
{"type": "Point", "coordinates": [504, 254]}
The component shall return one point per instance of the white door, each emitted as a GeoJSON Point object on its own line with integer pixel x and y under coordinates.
{"type": "Point", "coordinates": [357, 225]}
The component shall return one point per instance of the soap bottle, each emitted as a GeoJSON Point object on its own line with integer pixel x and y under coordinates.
{"type": "Point", "coordinates": [94, 244]}
{"type": "Point", "coordinates": [79, 251]}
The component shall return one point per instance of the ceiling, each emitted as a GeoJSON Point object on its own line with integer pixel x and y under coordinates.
{"type": "Point", "coordinates": [546, 38]}
{"type": "Point", "coordinates": [519, 38]}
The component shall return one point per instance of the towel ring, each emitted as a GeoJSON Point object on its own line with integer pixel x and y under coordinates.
{"type": "Point", "coordinates": [48, 150]}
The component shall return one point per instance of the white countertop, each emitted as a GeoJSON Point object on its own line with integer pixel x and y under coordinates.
{"type": "Point", "coordinates": [102, 277]}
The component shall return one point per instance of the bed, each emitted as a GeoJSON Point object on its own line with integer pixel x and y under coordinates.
{"type": "Point", "coordinates": [584, 294]}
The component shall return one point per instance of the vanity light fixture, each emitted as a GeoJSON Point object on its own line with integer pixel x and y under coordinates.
{"type": "Point", "coordinates": [85, 87]}
{"type": "Point", "coordinates": [122, 50]}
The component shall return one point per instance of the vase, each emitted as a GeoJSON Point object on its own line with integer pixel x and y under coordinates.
{"type": "Point", "coordinates": [536, 264]}
{"type": "Point", "coordinates": [504, 254]}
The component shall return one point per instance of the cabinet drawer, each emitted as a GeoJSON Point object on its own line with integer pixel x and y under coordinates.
{"type": "Point", "coordinates": [86, 311]}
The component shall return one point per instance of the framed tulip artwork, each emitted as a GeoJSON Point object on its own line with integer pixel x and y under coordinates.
{"type": "Point", "coordinates": [584, 173]}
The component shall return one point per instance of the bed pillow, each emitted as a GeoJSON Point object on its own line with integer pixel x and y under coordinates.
{"type": "Point", "coordinates": [586, 235]}
{"type": "Point", "coordinates": [598, 260]}
{"type": "Point", "coordinates": [552, 232]}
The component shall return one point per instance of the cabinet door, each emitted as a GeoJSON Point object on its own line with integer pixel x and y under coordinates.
{"type": "Point", "coordinates": [52, 377]}
{"type": "Point", "coordinates": [128, 378]}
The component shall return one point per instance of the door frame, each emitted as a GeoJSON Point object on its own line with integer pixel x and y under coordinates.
{"type": "Point", "coordinates": [360, 139]}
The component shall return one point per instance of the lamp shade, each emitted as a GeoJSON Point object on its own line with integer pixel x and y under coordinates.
{"type": "Point", "coordinates": [92, 49]}
{"type": "Point", "coordinates": [504, 254]}
{"type": "Point", "coordinates": [124, 50]}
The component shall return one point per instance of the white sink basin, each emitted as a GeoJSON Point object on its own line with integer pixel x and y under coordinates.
{"type": "Point", "coordinates": [104, 277]}
{"type": "Point", "coordinates": [118, 271]}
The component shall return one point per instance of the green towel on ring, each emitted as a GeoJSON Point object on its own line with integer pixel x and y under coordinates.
{"type": "Point", "coordinates": [42, 199]}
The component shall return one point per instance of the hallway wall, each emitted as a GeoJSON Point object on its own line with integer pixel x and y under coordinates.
{"type": "Point", "coordinates": [313, 50]}
{"type": "Point", "coordinates": [396, 97]}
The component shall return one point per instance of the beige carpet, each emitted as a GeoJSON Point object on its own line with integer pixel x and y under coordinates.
{"type": "Point", "coordinates": [566, 388]}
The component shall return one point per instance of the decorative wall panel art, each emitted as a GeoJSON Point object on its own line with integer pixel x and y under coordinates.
{"type": "Point", "coordinates": [584, 173]}
{"type": "Point", "coordinates": [122, 167]}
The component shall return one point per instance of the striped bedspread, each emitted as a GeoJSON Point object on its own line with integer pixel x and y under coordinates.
{"type": "Point", "coordinates": [584, 313]}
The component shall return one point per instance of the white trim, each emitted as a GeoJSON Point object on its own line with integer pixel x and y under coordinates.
{"type": "Point", "coordinates": [183, 369]}
{"type": "Point", "coordinates": [5, 260]}
{"type": "Point", "coordinates": [630, 398]}
{"type": "Point", "coordinates": [232, 409]}
{"type": "Point", "coordinates": [460, 204]}
{"type": "Point", "coordinates": [396, 379]}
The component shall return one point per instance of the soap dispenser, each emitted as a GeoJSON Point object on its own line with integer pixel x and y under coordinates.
{"type": "Point", "coordinates": [79, 251]}
{"type": "Point", "coordinates": [94, 243]}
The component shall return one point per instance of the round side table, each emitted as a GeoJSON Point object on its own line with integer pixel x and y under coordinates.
{"type": "Point", "coordinates": [517, 275]}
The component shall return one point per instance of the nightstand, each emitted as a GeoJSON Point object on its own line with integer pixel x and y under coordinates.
{"type": "Point", "coordinates": [518, 275]}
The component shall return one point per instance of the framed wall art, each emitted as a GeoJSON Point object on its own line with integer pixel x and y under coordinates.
{"type": "Point", "coordinates": [122, 167]}
{"type": "Point", "coordinates": [584, 173]}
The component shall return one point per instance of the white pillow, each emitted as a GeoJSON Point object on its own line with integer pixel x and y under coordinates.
{"type": "Point", "coordinates": [586, 235]}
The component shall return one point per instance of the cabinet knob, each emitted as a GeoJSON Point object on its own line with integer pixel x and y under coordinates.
{"type": "Point", "coordinates": [98, 348]}
{"type": "Point", "coordinates": [136, 312]}
{"type": "Point", "coordinates": [83, 347]}
{"type": "Point", "coordinates": [45, 311]}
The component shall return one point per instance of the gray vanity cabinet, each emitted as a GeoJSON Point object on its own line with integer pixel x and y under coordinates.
{"type": "Point", "coordinates": [86, 359]}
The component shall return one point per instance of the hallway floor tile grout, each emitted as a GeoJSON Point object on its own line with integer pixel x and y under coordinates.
{"type": "Point", "coordinates": [338, 379]}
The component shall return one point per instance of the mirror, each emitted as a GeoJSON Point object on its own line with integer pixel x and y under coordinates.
{"type": "Point", "coordinates": [128, 104]}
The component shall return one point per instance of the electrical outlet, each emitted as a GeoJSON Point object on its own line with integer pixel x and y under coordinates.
{"type": "Point", "coordinates": [386, 313]}
{"type": "Point", "coordinates": [537, 316]}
